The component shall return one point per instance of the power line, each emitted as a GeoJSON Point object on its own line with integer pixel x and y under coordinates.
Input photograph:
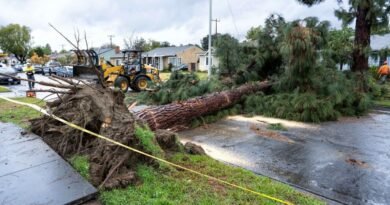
{"type": "Point", "coordinates": [233, 18]}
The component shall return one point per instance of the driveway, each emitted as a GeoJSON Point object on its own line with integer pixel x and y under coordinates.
{"type": "Point", "coordinates": [346, 162]}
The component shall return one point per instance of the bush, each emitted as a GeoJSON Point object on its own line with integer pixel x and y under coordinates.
{"type": "Point", "coordinates": [181, 86]}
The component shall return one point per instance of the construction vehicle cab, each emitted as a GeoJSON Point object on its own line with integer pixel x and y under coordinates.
{"type": "Point", "coordinates": [132, 73]}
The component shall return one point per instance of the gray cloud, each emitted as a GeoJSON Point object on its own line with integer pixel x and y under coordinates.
{"type": "Point", "coordinates": [177, 21]}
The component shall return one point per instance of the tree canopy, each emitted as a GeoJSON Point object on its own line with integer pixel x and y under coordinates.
{"type": "Point", "coordinates": [370, 16]}
{"type": "Point", "coordinates": [204, 42]}
{"type": "Point", "coordinates": [15, 39]}
{"type": "Point", "coordinates": [228, 52]}
{"type": "Point", "coordinates": [340, 45]}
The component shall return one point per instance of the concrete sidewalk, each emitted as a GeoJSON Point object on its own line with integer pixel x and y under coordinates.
{"type": "Point", "coordinates": [32, 173]}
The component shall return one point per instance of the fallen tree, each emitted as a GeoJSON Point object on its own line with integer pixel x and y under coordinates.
{"type": "Point", "coordinates": [102, 110]}
{"type": "Point", "coordinates": [176, 115]}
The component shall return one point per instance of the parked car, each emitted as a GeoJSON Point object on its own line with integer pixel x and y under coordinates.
{"type": "Point", "coordinates": [65, 71]}
{"type": "Point", "coordinates": [51, 68]}
{"type": "Point", "coordinates": [18, 67]}
{"type": "Point", "coordinates": [183, 67]}
{"type": "Point", "coordinates": [4, 69]}
{"type": "Point", "coordinates": [38, 69]}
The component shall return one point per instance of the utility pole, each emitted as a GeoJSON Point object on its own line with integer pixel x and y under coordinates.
{"type": "Point", "coordinates": [111, 36]}
{"type": "Point", "coordinates": [62, 46]}
{"type": "Point", "coordinates": [216, 25]}
{"type": "Point", "coordinates": [209, 58]}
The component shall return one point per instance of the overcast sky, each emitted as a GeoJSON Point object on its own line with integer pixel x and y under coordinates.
{"type": "Point", "coordinates": [176, 21]}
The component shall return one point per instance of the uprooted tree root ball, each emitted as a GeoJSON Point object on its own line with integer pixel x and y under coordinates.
{"type": "Point", "coordinates": [102, 111]}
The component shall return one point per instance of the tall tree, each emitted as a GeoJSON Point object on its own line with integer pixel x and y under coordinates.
{"type": "Point", "coordinates": [301, 45]}
{"type": "Point", "coordinates": [340, 45]}
{"type": "Point", "coordinates": [15, 39]}
{"type": "Point", "coordinates": [228, 53]}
{"type": "Point", "coordinates": [268, 57]}
{"type": "Point", "coordinates": [205, 41]}
{"type": "Point", "coordinates": [369, 16]}
{"type": "Point", "coordinates": [47, 49]}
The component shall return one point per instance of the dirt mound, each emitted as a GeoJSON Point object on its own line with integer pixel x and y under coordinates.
{"type": "Point", "coordinates": [102, 111]}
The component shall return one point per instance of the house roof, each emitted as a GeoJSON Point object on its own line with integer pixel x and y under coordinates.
{"type": "Point", "coordinates": [166, 51]}
{"type": "Point", "coordinates": [379, 42]}
{"type": "Point", "coordinates": [204, 53]}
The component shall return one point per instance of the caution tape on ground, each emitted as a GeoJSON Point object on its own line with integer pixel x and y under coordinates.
{"type": "Point", "coordinates": [36, 107]}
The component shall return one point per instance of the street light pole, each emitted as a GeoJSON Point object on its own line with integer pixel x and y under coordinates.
{"type": "Point", "coordinates": [209, 57]}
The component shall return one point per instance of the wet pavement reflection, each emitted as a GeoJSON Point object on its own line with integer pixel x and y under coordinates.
{"type": "Point", "coordinates": [347, 161]}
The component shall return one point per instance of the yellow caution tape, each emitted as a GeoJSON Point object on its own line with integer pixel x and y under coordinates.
{"type": "Point", "coordinates": [145, 154]}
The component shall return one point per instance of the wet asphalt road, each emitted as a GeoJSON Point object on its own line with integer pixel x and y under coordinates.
{"type": "Point", "coordinates": [346, 162]}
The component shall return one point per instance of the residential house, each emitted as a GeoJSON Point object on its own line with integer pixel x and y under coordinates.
{"type": "Point", "coordinates": [204, 60]}
{"type": "Point", "coordinates": [113, 55]}
{"type": "Point", "coordinates": [379, 42]}
{"type": "Point", "coordinates": [162, 57]}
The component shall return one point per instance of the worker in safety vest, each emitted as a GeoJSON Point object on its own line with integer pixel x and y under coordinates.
{"type": "Point", "coordinates": [383, 72]}
{"type": "Point", "coordinates": [30, 70]}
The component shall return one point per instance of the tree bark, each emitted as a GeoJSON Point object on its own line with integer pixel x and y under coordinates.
{"type": "Point", "coordinates": [362, 40]}
{"type": "Point", "coordinates": [179, 114]}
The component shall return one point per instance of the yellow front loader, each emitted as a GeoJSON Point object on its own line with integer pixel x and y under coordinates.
{"type": "Point", "coordinates": [132, 73]}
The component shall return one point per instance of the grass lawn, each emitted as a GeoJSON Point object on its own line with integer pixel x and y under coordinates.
{"type": "Point", "coordinates": [385, 101]}
{"type": "Point", "coordinates": [181, 187]}
{"type": "Point", "coordinates": [19, 114]}
{"type": "Point", "coordinates": [170, 186]}
{"type": "Point", "coordinates": [4, 89]}
{"type": "Point", "coordinates": [165, 76]}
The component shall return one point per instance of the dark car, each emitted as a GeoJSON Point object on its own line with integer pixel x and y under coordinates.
{"type": "Point", "coordinates": [38, 69]}
{"type": "Point", "coordinates": [51, 68]}
{"type": "Point", "coordinates": [9, 71]}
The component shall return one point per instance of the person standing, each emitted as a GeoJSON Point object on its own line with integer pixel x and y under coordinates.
{"type": "Point", "coordinates": [30, 70]}
{"type": "Point", "coordinates": [383, 72]}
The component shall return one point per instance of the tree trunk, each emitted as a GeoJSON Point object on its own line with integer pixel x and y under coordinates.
{"type": "Point", "coordinates": [362, 40]}
{"type": "Point", "coordinates": [174, 115]}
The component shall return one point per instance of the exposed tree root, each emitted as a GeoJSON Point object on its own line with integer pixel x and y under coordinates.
{"type": "Point", "coordinates": [100, 110]}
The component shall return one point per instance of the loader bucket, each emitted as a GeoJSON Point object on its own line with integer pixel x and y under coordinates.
{"type": "Point", "coordinates": [87, 63]}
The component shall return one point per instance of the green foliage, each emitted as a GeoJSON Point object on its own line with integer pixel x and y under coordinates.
{"type": "Point", "coordinates": [147, 140]}
{"type": "Point", "coordinates": [276, 126]}
{"type": "Point", "coordinates": [307, 91]}
{"type": "Point", "coordinates": [181, 187]}
{"type": "Point", "coordinates": [204, 42]}
{"type": "Point", "coordinates": [253, 33]}
{"type": "Point", "coordinates": [180, 86]}
{"type": "Point", "coordinates": [307, 107]}
{"type": "Point", "coordinates": [40, 50]}
{"type": "Point", "coordinates": [300, 48]}
{"type": "Point", "coordinates": [81, 164]}
{"type": "Point", "coordinates": [261, 57]}
{"type": "Point", "coordinates": [228, 51]}
{"type": "Point", "coordinates": [377, 13]}
{"type": "Point", "coordinates": [370, 16]}
{"type": "Point", "coordinates": [15, 39]}
{"type": "Point", "coordinates": [340, 45]}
